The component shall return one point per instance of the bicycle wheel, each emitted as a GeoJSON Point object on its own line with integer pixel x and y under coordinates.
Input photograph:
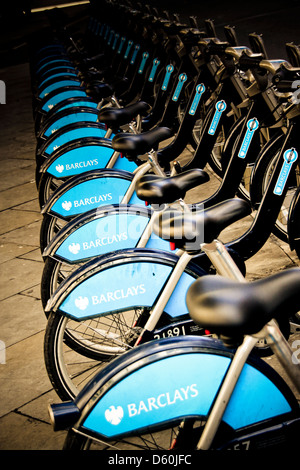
{"type": "Point", "coordinates": [76, 351]}
{"type": "Point", "coordinates": [54, 273]}
{"type": "Point", "coordinates": [76, 347]}
{"type": "Point", "coordinates": [261, 175]}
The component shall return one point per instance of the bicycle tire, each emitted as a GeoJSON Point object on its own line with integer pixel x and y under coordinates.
{"type": "Point", "coordinates": [50, 226]}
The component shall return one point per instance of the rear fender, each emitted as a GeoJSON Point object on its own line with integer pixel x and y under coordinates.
{"type": "Point", "coordinates": [120, 281]}
{"type": "Point", "coordinates": [89, 190]}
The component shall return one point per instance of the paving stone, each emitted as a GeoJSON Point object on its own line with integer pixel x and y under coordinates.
{"type": "Point", "coordinates": [21, 317]}
{"type": "Point", "coordinates": [38, 408]}
{"type": "Point", "coordinates": [18, 432]}
{"type": "Point", "coordinates": [18, 195]}
{"type": "Point", "coordinates": [11, 219]}
{"type": "Point", "coordinates": [17, 178]}
{"type": "Point", "coordinates": [23, 377]}
{"type": "Point", "coordinates": [29, 235]}
{"type": "Point", "coordinates": [12, 250]}
{"type": "Point", "coordinates": [17, 275]}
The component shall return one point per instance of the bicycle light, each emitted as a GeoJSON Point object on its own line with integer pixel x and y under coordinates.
{"type": "Point", "coordinates": [63, 415]}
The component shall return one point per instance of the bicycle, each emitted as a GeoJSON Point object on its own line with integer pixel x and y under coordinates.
{"type": "Point", "coordinates": [211, 393]}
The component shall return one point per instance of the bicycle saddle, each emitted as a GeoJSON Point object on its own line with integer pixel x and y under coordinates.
{"type": "Point", "coordinates": [159, 190]}
{"type": "Point", "coordinates": [116, 117]}
{"type": "Point", "coordinates": [139, 144]}
{"type": "Point", "coordinates": [233, 308]}
{"type": "Point", "coordinates": [190, 229]}
{"type": "Point", "coordinates": [100, 90]}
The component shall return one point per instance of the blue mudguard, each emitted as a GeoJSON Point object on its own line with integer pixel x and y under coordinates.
{"type": "Point", "coordinates": [121, 281]}
{"type": "Point", "coordinates": [58, 75]}
{"type": "Point", "coordinates": [67, 117]}
{"type": "Point", "coordinates": [101, 231]}
{"type": "Point", "coordinates": [59, 84]}
{"type": "Point", "coordinates": [52, 63]}
{"type": "Point", "coordinates": [190, 372]}
{"type": "Point", "coordinates": [68, 103]}
{"type": "Point", "coordinates": [67, 134]}
{"type": "Point", "coordinates": [57, 96]}
{"type": "Point", "coordinates": [90, 190]}
{"type": "Point", "coordinates": [82, 155]}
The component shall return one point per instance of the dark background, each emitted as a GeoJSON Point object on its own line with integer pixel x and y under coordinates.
{"type": "Point", "coordinates": [277, 21]}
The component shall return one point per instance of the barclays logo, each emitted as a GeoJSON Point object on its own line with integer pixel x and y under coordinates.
{"type": "Point", "coordinates": [74, 248]}
{"type": "Point", "coordinates": [67, 205]}
{"type": "Point", "coordinates": [59, 168]}
{"type": "Point", "coordinates": [82, 303]}
{"type": "Point", "coordinates": [114, 415]}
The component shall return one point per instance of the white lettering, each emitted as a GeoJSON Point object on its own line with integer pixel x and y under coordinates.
{"type": "Point", "coordinates": [119, 294]}
{"type": "Point", "coordinates": [162, 400]}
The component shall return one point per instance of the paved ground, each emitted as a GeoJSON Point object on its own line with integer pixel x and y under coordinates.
{"type": "Point", "coordinates": [25, 390]}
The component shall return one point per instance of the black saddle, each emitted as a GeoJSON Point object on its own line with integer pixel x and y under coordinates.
{"type": "Point", "coordinates": [190, 229]}
{"type": "Point", "coordinates": [139, 144]}
{"type": "Point", "coordinates": [99, 90]}
{"type": "Point", "coordinates": [116, 117]}
{"type": "Point", "coordinates": [159, 190]}
{"type": "Point", "coordinates": [232, 308]}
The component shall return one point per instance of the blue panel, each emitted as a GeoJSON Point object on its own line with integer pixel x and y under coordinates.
{"type": "Point", "coordinates": [60, 97]}
{"type": "Point", "coordinates": [157, 243]}
{"type": "Point", "coordinates": [176, 305]}
{"type": "Point", "coordinates": [90, 104]}
{"type": "Point", "coordinates": [55, 60]}
{"type": "Point", "coordinates": [78, 133]}
{"type": "Point", "coordinates": [187, 385]}
{"type": "Point", "coordinates": [90, 195]}
{"type": "Point", "coordinates": [100, 236]}
{"type": "Point", "coordinates": [254, 399]}
{"type": "Point", "coordinates": [70, 119]}
{"type": "Point", "coordinates": [124, 164]}
{"type": "Point", "coordinates": [59, 68]}
{"type": "Point", "coordinates": [116, 288]}
{"type": "Point", "coordinates": [79, 160]}
{"type": "Point", "coordinates": [56, 75]}
{"type": "Point", "coordinates": [59, 84]}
